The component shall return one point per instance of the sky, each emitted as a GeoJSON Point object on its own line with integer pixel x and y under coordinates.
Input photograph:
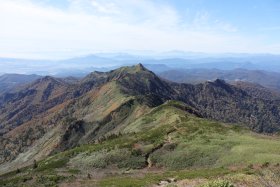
{"type": "Point", "coordinates": [54, 29]}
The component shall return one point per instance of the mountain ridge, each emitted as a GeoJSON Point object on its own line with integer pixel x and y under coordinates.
{"type": "Point", "coordinates": [102, 104]}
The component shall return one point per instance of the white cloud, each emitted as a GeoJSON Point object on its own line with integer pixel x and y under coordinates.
{"type": "Point", "coordinates": [33, 30]}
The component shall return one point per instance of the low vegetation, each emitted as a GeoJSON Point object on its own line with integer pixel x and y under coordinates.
{"type": "Point", "coordinates": [178, 145]}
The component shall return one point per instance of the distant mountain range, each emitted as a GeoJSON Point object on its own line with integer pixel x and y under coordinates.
{"type": "Point", "coordinates": [264, 78]}
{"type": "Point", "coordinates": [81, 66]}
{"type": "Point", "coordinates": [11, 81]}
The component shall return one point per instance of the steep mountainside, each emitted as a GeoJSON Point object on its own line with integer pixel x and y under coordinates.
{"type": "Point", "coordinates": [221, 101]}
{"type": "Point", "coordinates": [257, 90]}
{"type": "Point", "coordinates": [19, 107]}
{"type": "Point", "coordinates": [52, 115]}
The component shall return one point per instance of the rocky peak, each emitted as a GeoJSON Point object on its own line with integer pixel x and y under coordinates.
{"type": "Point", "coordinates": [220, 82]}
{"type": "Point", "coordinates": [140, 67]}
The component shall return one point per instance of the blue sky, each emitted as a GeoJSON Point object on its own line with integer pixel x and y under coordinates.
{"type": "Point", "coordinates": [66, 28]}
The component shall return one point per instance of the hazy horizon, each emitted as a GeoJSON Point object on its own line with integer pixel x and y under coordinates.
{"type": "Point", "coordinates": [144, 54]}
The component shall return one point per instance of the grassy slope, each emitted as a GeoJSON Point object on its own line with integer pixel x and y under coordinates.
{"type": "Point", "coordinates": [169, 140]}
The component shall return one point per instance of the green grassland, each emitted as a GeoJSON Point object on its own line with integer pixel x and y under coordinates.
{"type": "Point", "coordinates": [167, 142]}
